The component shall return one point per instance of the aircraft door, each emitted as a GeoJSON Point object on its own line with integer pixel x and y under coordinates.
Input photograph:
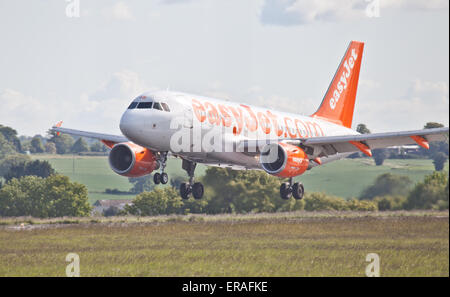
{"type": "Point", "coordinates": [188, 118]}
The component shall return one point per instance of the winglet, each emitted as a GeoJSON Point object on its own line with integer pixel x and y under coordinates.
{"type": "Point", "coordinates": [59, 124]}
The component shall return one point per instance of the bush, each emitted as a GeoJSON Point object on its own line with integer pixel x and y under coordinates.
{"type": "Point", "coordinates": [389, 202]}
{"type": "Point", "coordinates": [36, 168]}
{"type": "Point", "coordinates": [387, 184]}
{"type": "Point", "coordinates": [10, 135]}
{"type": "Point", "coordinates": [34, 196]}
{"type": "Point", "coordinates": [111, 211]}
{"type": "Point", "coordinates": [50, 148]}
{"type": "Point", "coordinates": [320, 202]}
{"type": "Point", "coordinates": [80, 146]}
{"type": "Point", "coordinates": [379, 155]}
{"type": "Point", "coordinates": [231, 191]}
{"type": "Point", "coordinates": [116, 192]}
{"type": "Point", "coordinates": [323, 202]}
{"type": "Point", "coordinates": [429, 193]}
{"type": "Point", "coordinates": [6, 148]}
{"type": "Point", "coordinates": [36, 145]}
{"type": "Point", "coordinates": [358, 205]}
{"type": "Point", "coordinates": [161, 201]}
{"type": "Point", "coordinates": [63, 143]}
{"type": "Point", "coordinates": [11, 161]}
{"type": "Point", "coordinates": [98, 147]}
{"type": "Point", "coordinates": [141, 184]}
{"type": "Point", "coordinates": [439, 160]}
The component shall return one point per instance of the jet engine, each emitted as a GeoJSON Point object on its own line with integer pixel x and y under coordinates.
{"type": "Point", "coordinates": [131, 160]}
{"type": "Point", "coordinates": [283, 160]}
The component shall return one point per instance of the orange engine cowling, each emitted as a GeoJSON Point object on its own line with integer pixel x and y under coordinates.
{"type": "Point", "coordinates": [131, 160]}
{"type": "Point", "coordinates": [283, 160]}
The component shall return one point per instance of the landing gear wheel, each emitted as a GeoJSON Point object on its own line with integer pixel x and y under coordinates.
{"type": "Point", "coordinates": [285, 191]}
{"type": "Point", "coordinates": [197, 191]}
{"type": "Point", "coordinates": [164, 178]}
{"type": "Point", "coordinates": [185, 190]}
{"type": "Point", "coordinates": [157, 178]}
{"type": "Point", "coordinates": [298, 191]}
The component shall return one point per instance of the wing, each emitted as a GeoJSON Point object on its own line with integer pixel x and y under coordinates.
{"type": "Point", "coordinates": [331, 145]}
{"type": "Point", "coordinates": [107, 139]}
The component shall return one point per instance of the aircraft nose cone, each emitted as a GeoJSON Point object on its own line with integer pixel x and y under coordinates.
{"type": "Point", "coordinates": [125, 124]}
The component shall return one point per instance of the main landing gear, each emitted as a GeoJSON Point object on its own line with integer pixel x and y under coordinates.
{"type": "Point", "coordinates": [161, 178]}
{"type": "Point", "coordinates": [186, 189]}
{"type": "Point", "coordinates": [287, 190]}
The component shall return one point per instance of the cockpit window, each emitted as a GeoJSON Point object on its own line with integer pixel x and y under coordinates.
{"type": "Point", "coordinates": [133, 105]}
{"type": "Point", "coordinates": [145, 105]}
{"type": "Point", "coordinates": [165, 107]}
{"type": "Point", "coordinates": [157, 105]}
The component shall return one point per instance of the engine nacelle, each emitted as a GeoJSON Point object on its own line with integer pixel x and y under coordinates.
{"type": "Point", "coordinates": [131, 160]}
{"type": "Point", "coordinates": [283, 160]}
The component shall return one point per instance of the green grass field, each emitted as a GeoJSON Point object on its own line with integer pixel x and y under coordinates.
{"type": "Point", "coordinates": [290, 244]}
{"type": "Point", "coordinates": [345, 178]}
{"type": "Point", "coordinates": [95, 173]}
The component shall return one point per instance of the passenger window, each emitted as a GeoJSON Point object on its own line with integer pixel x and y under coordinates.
{"type": "Point", "coordinates": [166, 107]}
{"type": "Point", "coordinates": [133, 105]}
{"type": "Point", "coordinates": [157, 106]}
{"type": "Point", "coordinates": [145, 105]}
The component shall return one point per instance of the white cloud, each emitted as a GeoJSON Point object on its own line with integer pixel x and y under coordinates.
{"type": "Point", "coordinates": [303, 106]}
{"type": "Point", "coordinates": [368, 84]}
{"type": "Point", "coordinates": [429, 92]}
{"type": "Point", "coordinates": [99, 110]}
{"type": "Point", "coordinates": [174, 1]}
{"type": "Point", "coordinates": [299, 12]}
{"type": "Point", "coordinates": [256, 95]}
{"type": "Point", "coordinates": [423, 102]}
{"type": "Point", "coordinates": [22, 112]}
{"type": "Point", "coordinates": [415, 4]}
{"type": "Point", "coordinates": [119, 11]}
{"type": "Point", "coordinates": [121, 84]}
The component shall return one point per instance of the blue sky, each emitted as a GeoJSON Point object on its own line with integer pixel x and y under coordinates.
{"type": "Point", "coordinates": [278, 53]}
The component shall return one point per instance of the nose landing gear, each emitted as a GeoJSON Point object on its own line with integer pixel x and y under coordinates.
{"type": "Point", "coordinates": [161, 178]}
{"type": "Point", "coordinates": [186, 189]}
{"type": "Point", "coordinates": [287, 190]}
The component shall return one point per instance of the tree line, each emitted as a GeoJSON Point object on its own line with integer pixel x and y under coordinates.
{"type": "Point", "coordinates": [56, 144]}
{"type": "Point", "coordinates": [228, 191]}
{"type": "Point", "coordinates": [33, 188]}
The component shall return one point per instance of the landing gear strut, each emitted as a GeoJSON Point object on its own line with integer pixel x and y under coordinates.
{"type": "Point", "coordinates": [287, 190]}
{"type": "Point", "coordinates": [161, 178]}
{"type": "Point", "coordinates": [196, 189]}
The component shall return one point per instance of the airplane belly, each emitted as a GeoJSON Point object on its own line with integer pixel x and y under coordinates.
{"type": "Point", "coordinates": [236, 160]}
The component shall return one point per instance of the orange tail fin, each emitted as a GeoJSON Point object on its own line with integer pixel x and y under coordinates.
{"type": "Point", "coordinates": [339, 101]}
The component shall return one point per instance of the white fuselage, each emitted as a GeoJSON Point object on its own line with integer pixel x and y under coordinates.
{"type": "Point", "coordinates": [208, 130]}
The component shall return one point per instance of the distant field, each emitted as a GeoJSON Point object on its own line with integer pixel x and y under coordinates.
{"type": "Point", "coordinates": [345, 178]}
{"type": "Point", "coordinates": [95, 173]}
{"type": "Point", "coordinates": [283, 244]}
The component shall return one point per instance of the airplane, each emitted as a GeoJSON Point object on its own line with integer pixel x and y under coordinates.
{"type": "Point", "coordinates": [199, 129]}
